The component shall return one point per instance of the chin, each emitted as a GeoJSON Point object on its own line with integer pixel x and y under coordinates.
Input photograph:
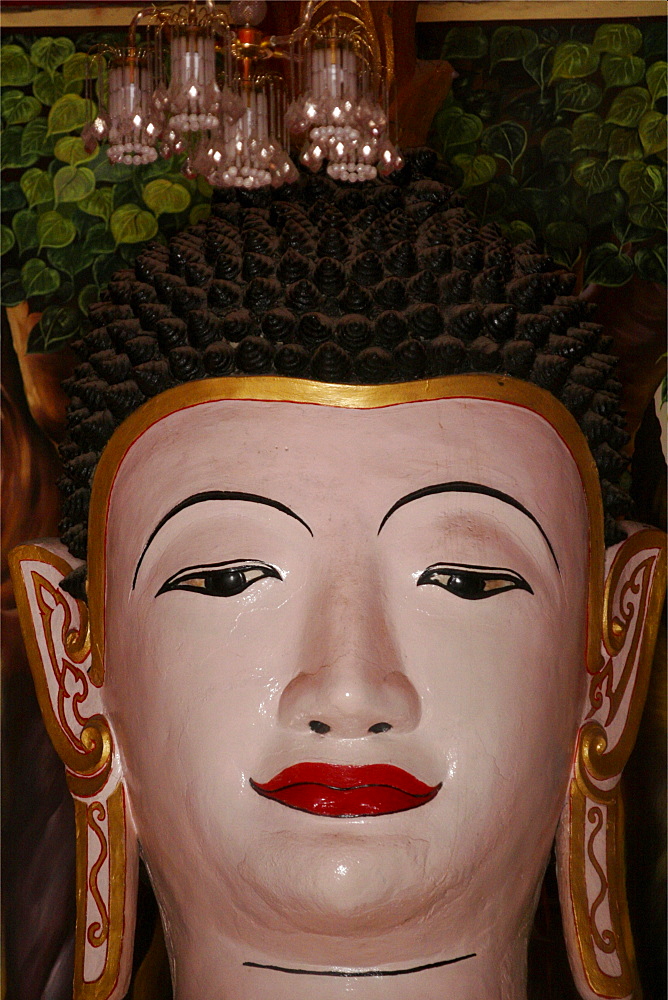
{"type": "Point", "coordinates": [340, 885]}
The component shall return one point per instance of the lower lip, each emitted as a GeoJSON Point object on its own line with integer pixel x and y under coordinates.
{"type": "Point", "coordinates": [347, 792]}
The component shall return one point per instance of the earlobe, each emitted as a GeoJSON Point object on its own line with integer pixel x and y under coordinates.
{"type": "Point", "coordinates": [590, 844]}
{"type": "Point", "coordinates": [55, 630]}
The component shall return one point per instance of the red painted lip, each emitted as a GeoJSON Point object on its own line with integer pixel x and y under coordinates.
{"type": "Point", "coordinates": [345, 790]}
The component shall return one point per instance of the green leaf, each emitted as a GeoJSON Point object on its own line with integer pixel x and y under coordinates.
{"type": "Point", "coordinates": [35, 142]}
{"type": "Point", "coordinates": [48, 87]}
{"type": "Point", "coordinates": [594, 175]}
{"type": "Point", "coordinates": [598, 210]}
{"type": "Point", "coordinates": [624, 145]}
{"type": "Point", "coordinates": [7, 239]}
{"type": "Point", "coordinates": [11, 289]}
{"type": "Point", "coordinates": [629, 106]}
{"type": "Point", "coordinates": [105, 267]}
{"type": "Point", "coordinates": [99, 203]}
{"type": "Point", "coordinates": [24, 225]}
{"type": "Point", "coordinates": [464, 43]}
{"type": "Point", "coordinates": [578, 96]}
{"type": "Point", "coordinates": [510, 43]}
{"type": "Point", "coordinates": [507, 140]}
{"type": "Point", "coordinates": [652, 132]}
{"type": "Point", "coordinates": [657, 80]}
{"type": "Point", "coordinates": [49, 53]}
{"type": "Point", "coordinates": [58, 324]}
{"type": "Point", "coordinates": [556, 145]}
{"type": "Point", "coordinates": [130, 224]}
{"type": "Point", "coordinates": [18, 107]}
{"type": "Point", "coordinates": [566, 235]}
{"type": "Point", "coordinates": [453, 130]}
{"type": "Point", "coordinates": [651, 263]}
{"type": "Point", "coordinates": [538, 64]}
{"type": "Point", "coordinates": [518, 232]}
{"type": "Point", "coordinates": [70, 149]}
{"type": "Point", "coordinates": [112, 173]}
{"type": "Point", "coordinates": [199, 214]}
{"type": "Point", "coordinates": [620, 39]}
{"type": "Point", "coordinates": [15, 67]}
{"type": "Point", "coordinates": [10, 149]}
{"type": "Point", "coordinates": [163, 195]}
{"type": "Point", "coordinates": [68, 113]}
{"type": "Point", "coordinates": [628, 232]}
{"type": "Point", "coordinates": [69, 259]}
{"type": "Point", "coordinates": [73, 184]}
{"type": "Point", "coordinates": [37, 186]}
{"type": "Point", "coordinates": [54, 230]}
{"type": "Point", "coordinates": [86, 297]}
{"type": "Point", "coordinates": [573, 60]}
{"type": "Point", "coordinates": [80, 66]}
{"type": "Point", "coordinates": [607, 265]}
{"type": "Point", "coordinates": [622, 71]}
{"type": "Point", "coordinates": [649, 215]}
{"type": "Point", "coordinates": [38, 279]}
{"type": "Point", "coordinates": [641, 182]}
{"type": "Point", "coordinates": [476, 169]}
{"type": "Point", "coordinates": [98, 241]}
{"type": "Point", "coordinates": [590, 132]}
{"type": "Point", "coordinates": [203, 187]}
{"type": "Point", "coordinates": [11, 197]}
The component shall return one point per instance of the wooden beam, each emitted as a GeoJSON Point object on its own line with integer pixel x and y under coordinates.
{"type": "Point", "coordinates": [534, 10]}
{"type": "Point", "coordinates": [82, 15]}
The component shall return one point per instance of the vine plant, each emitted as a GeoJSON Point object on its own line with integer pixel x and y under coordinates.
{"type": "Point", "coordinates": [559, 133]}
{"type": "Point", "coordinates": [69, 218]}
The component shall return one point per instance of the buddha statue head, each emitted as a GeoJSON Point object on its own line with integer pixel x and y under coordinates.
{"type": "Point", "coordinates": [343, 630]}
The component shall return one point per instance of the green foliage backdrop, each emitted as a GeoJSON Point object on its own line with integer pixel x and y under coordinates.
{"type": "Point", "coordinates": [559, 132]}
{"type": "Point", "coordinates": [69, 218]}
{"type": "Point", "coordinates": [556, 132]}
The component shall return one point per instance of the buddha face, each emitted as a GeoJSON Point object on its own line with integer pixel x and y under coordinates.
{"type": "Point", "coordinates": [345, 669]}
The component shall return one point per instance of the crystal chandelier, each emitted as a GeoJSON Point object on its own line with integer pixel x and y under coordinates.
{"type": "Point", "coordinates": [202, 80]}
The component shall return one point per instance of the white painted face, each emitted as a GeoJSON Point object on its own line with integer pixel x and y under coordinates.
{"type": "Point", "coordinates": [294, 584]}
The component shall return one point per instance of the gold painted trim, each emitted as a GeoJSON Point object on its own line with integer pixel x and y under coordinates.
{"type": "Point", "coordinates": [109, 929]}
{"type": "Point", "coordinates": [593, 740]}
{"type": "Point", "coordinates": [618, 938]}
{"type": "Point", "coordinates": [271, 388]}
{"type": "Point", "coordinates": [592, 762]}
{"type": "Point", "coordinates": [88, 764]}
{"type": "Point", "coordinates": [538, 10]}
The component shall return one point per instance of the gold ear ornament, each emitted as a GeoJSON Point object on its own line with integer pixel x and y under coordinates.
{"type": "Point", "coordinates": [57, 638]}
{"type": "Point", "coordinates": [596, 901]}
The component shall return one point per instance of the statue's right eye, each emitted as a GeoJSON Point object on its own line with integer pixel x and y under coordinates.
{"type": "Point", "coordinates": [223, 580]}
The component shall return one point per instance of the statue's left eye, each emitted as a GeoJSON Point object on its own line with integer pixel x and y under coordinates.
{"type": "Point", "coordinates": [225, 580]}
{"type": "Point", "coordinates": [473, 583]}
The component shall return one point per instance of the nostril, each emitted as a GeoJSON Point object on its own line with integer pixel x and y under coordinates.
{"type": "Point", "coordinates": [380, 727]}
{"type": "Point", "coordinates": [319, 727]}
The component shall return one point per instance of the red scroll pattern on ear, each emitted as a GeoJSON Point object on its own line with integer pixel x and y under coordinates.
{"type": "Point", "coordinates": [87, 756]}
{"type": "Point", "coordinates": [634, 589]}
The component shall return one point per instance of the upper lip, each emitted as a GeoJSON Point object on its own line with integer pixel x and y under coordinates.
{"type": "Point", "coordinates": [345, 776]}
{"type": "Point", "coordinates": [346, 789]}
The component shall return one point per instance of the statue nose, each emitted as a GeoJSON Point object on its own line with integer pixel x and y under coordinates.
{"type": "Point", "coordinates": [352, 683]}
{"type": "Point", "coordinates": [333, 701]}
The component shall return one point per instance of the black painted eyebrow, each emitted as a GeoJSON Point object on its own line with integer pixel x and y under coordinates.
{"type": "Point", "coordinates": [461, 487]}
{"type": "Point", "coordinates": [215, 495]}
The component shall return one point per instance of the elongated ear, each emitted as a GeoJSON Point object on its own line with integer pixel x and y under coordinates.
{"type": "Point", "coordinates": [55, 630]}
{"type": "Point", "coordinates": [590, 840]}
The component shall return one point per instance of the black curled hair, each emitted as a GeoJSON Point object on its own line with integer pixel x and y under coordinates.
{"type": "Point", "coordinates": [388, 281]}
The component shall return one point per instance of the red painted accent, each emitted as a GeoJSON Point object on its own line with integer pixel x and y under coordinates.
{"type": "Point", "coordinates": [346, 790]}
